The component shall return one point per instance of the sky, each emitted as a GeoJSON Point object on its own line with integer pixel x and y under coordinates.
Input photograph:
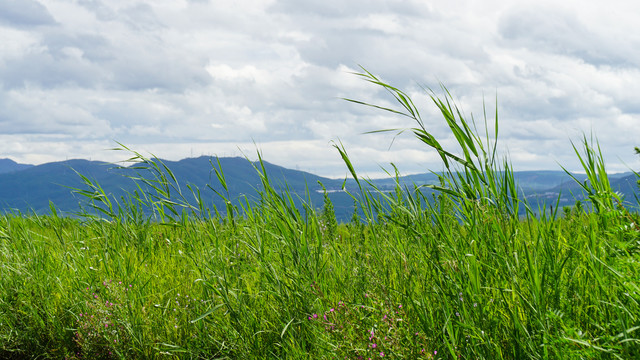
{"type": "Point", "coordinates": [185, 78]}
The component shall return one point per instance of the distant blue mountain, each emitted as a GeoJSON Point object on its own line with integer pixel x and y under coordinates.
{"type": "Point", "coordinates": [33, 189]}
{"type": "Point", "coordinates": [26, 188]}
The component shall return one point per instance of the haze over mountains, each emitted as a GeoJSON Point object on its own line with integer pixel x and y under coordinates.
{"type": "Point", "coordinates": [27, 188]}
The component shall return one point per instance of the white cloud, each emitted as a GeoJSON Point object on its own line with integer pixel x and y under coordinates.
{"type": "Point", "coordinates": [188, 77]}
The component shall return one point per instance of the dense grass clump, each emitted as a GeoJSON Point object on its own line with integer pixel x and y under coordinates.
{"type": "Point", "coordinates": [453, 275]}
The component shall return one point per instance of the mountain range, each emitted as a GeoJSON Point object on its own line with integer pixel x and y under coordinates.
{"type": "Point", "coordinates": [32, 188]}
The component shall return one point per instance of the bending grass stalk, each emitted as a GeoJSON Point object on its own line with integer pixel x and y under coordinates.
{"type": "Point", "coordinates": [597, 185]}
{"type": "Point", "coordinates": [476, 178]}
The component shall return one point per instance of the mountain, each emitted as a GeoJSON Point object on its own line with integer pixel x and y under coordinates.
{"type": "Point", "coordinates": [32, 189]}
{"type": "Point", "coordinates": [8, 165]}
{"type": "Point", "coordinates": [625, 184]}
{"type": "Point", "coordinates": [28, 189]}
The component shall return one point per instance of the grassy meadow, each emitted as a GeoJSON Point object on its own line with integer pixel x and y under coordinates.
{"type": "Point", "coordinates": [457, 275]}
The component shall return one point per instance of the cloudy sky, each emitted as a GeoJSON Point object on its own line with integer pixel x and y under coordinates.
{"type": "Point", "coordinates": [182, 78]}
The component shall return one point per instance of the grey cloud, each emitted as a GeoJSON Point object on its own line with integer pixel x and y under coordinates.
{"type": "Point", "coordinates": [99, 9]}
{"type": "Point", "coordinates": [340, 8]}
{"type": "Point", "coordinates": [90, 60]}
{"type": "Point", "coordinates": [162, 71]}
{"type": "Point", "coordinates": [545, 29]}
{"type": "Point", "coordinates": [45, 70]}
{"type": "Point", "coordinates": [141, 17]}
{"type": "Point", "coordinates": [400, 41]}
{"type": "Point", "coordinates": [27, 114]}
{"type": "Point", "coordinates": [60, 59]}
{"type": "Point", "coordinates": [94, 47]}
{"type": "Point", "coordinates": [325, 9]}
{"type": "Point", "coordinates": [552, 30]}
{"type": "Point", "coordinates": [24, 13]}
{"type": "Point", "coordinates": [628, 106]}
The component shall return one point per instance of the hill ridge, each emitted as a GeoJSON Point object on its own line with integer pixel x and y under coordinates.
{"type": "Point", "coordinates": [32, 187]}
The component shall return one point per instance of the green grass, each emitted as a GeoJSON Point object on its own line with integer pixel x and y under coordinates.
{"type": "Point", "coordinates": [456, 276]}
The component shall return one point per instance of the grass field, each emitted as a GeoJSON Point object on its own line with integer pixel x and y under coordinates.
{"type": "Point", "coordinates": [457, 276]}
